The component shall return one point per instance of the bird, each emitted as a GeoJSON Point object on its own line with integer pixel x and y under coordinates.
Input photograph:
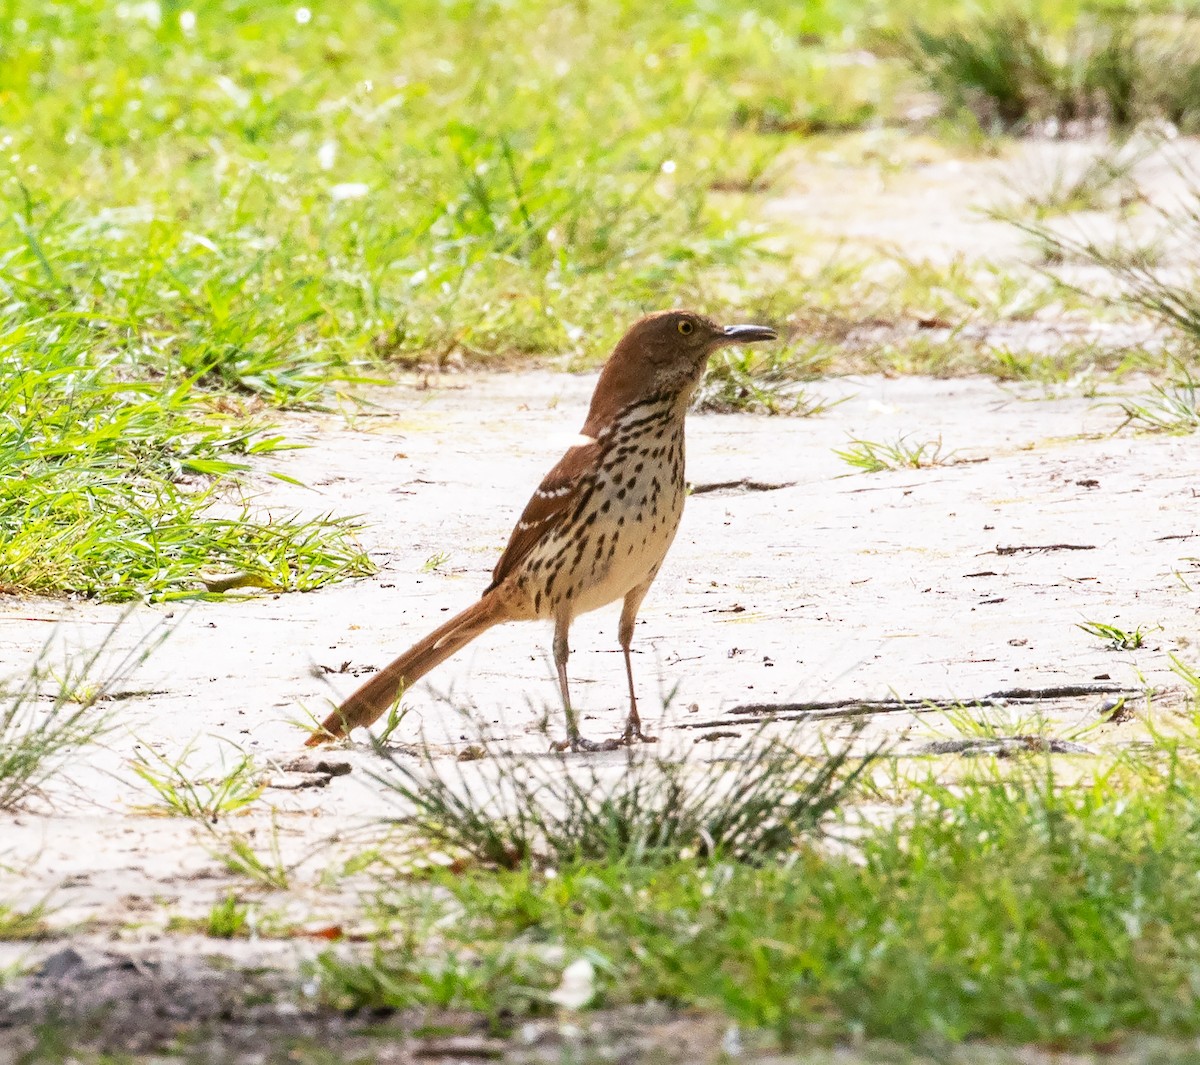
{"type": "Point", "coordinates": [596, 529]}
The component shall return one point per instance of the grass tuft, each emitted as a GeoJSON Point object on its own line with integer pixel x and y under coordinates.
{"type": "Point", "coordinates": [40, 731]}
{"type": "Point", "coordinates": [1116, 638]}
{"type": "Point", "coordinates": [240, 854]}
{"type": "Point", "coordinates": [1173, 408]}
{"type": "Point", "coordinates": [228, 919]}
{"type": "Point", "coordinates": [742, 380]}
{"type": "Point", "coordinates": [1148, 281]}
{"type": "Point", "coordinates": [1103, 181]}
{"type": "Point", "coordinates": [23, 923]}
{"type": "Point", "coordinates": [507, 810]}
{"type": "Point", "coordinates": [872, 457]}
{"type": "Point", "coordinates": [1013, 68]}
{"type": "Point", "coordinates": [1190, 675]}
{"type": "Point", "coordinates": [181, 793]}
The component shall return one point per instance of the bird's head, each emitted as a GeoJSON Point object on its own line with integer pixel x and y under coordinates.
{"type": "Point", "coordinates": [664, 353]}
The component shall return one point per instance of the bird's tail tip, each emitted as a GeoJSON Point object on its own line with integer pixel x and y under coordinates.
{"type": "Point", "coordinates": [333, 728]}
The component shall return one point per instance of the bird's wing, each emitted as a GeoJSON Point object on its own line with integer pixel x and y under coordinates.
{"type": "Point", "coordinates": [551, 503]}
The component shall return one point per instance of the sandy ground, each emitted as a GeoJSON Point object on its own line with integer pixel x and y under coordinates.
{"type": "Point", "coordinates": [796, 588]}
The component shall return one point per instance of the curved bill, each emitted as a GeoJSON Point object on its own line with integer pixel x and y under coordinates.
{"type": "Point", "coordinates": [747, 334]}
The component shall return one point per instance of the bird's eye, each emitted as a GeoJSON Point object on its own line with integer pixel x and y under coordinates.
{"type": "Point", "coordinates": [685, 327]}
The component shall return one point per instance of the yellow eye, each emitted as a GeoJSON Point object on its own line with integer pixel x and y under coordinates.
{"type": "Point", "coordinates": [685, 327]}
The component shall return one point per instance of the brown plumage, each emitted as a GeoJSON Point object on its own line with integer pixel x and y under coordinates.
{"type": "Point", "coordinates": [598, 526]}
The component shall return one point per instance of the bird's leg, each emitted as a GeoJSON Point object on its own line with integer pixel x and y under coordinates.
{"type": "Point", "coordinates": [561, 650]}
{"type": "Point", "coordinates": [574, 741]}
{"type": "Point", "coordinates": [633, 726]}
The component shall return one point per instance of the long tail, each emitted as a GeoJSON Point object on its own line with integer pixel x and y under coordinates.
{"type": "Point", "coordinates": [374, 697]}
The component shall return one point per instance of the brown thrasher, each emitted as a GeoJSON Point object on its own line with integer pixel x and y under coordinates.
{"type": "Point", "coordinates": [599, 525]}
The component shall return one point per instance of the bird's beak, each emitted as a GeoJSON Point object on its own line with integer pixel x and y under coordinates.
{"type": "Point", "coordinates": [746, 334]}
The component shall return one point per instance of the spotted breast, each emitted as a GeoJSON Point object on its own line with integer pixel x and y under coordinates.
{"type": "Point", "coordinates": [623, 516]}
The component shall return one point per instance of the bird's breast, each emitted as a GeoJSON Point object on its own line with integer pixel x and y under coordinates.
{"type": "Point", "coordinates": [617, 538]}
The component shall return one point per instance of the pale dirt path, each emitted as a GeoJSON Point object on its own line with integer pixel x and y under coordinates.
{"type": "Point", "coordinates": [834, 586]}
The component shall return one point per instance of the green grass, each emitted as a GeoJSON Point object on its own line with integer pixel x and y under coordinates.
{"type": "Point", "coordinates": [1011, 905]}
{"type": "Point", "coordinates": [1031, 899]}
{"type": "Point", "coordinates": [269, 206]}
{"type": "Point", "coordinates": [1136, 266]}
{"type": "Point", "coordinates": [1144, 279]}
{"type": "Point", "coordinates": [250, 205]}
{"type": "Point", "coordinates": [35, 743]}
{"type": "Point", "coordinates": [228, 919]}
{"type": "Point", "coordinates": [267, 202]}
{"type": "Point", "coordinates": [1190, 675]}
{"type": "Point", "coordinates": [117, 482]}
{"type": "Point", "coordinates": [1082, 368]}
{"type": "Point", "coordinates": [894, 313]}
{"type": "Point", "coordinates": [987, 721]}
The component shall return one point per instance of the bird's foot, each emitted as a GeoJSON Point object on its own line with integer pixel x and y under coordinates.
{"type": "Point", "coordinates": [581, 743]}
{"type": "Point", "coordinates": [634, 732]}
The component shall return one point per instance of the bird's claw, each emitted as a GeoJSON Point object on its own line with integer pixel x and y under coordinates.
{"type": "Point", "coordinates": [579, 743]}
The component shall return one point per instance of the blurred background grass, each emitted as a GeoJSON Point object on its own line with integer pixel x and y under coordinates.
{"type": "Point", "coordinates": [262, 192]}
{"type": "Point", "coordinates": [265, 198]}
